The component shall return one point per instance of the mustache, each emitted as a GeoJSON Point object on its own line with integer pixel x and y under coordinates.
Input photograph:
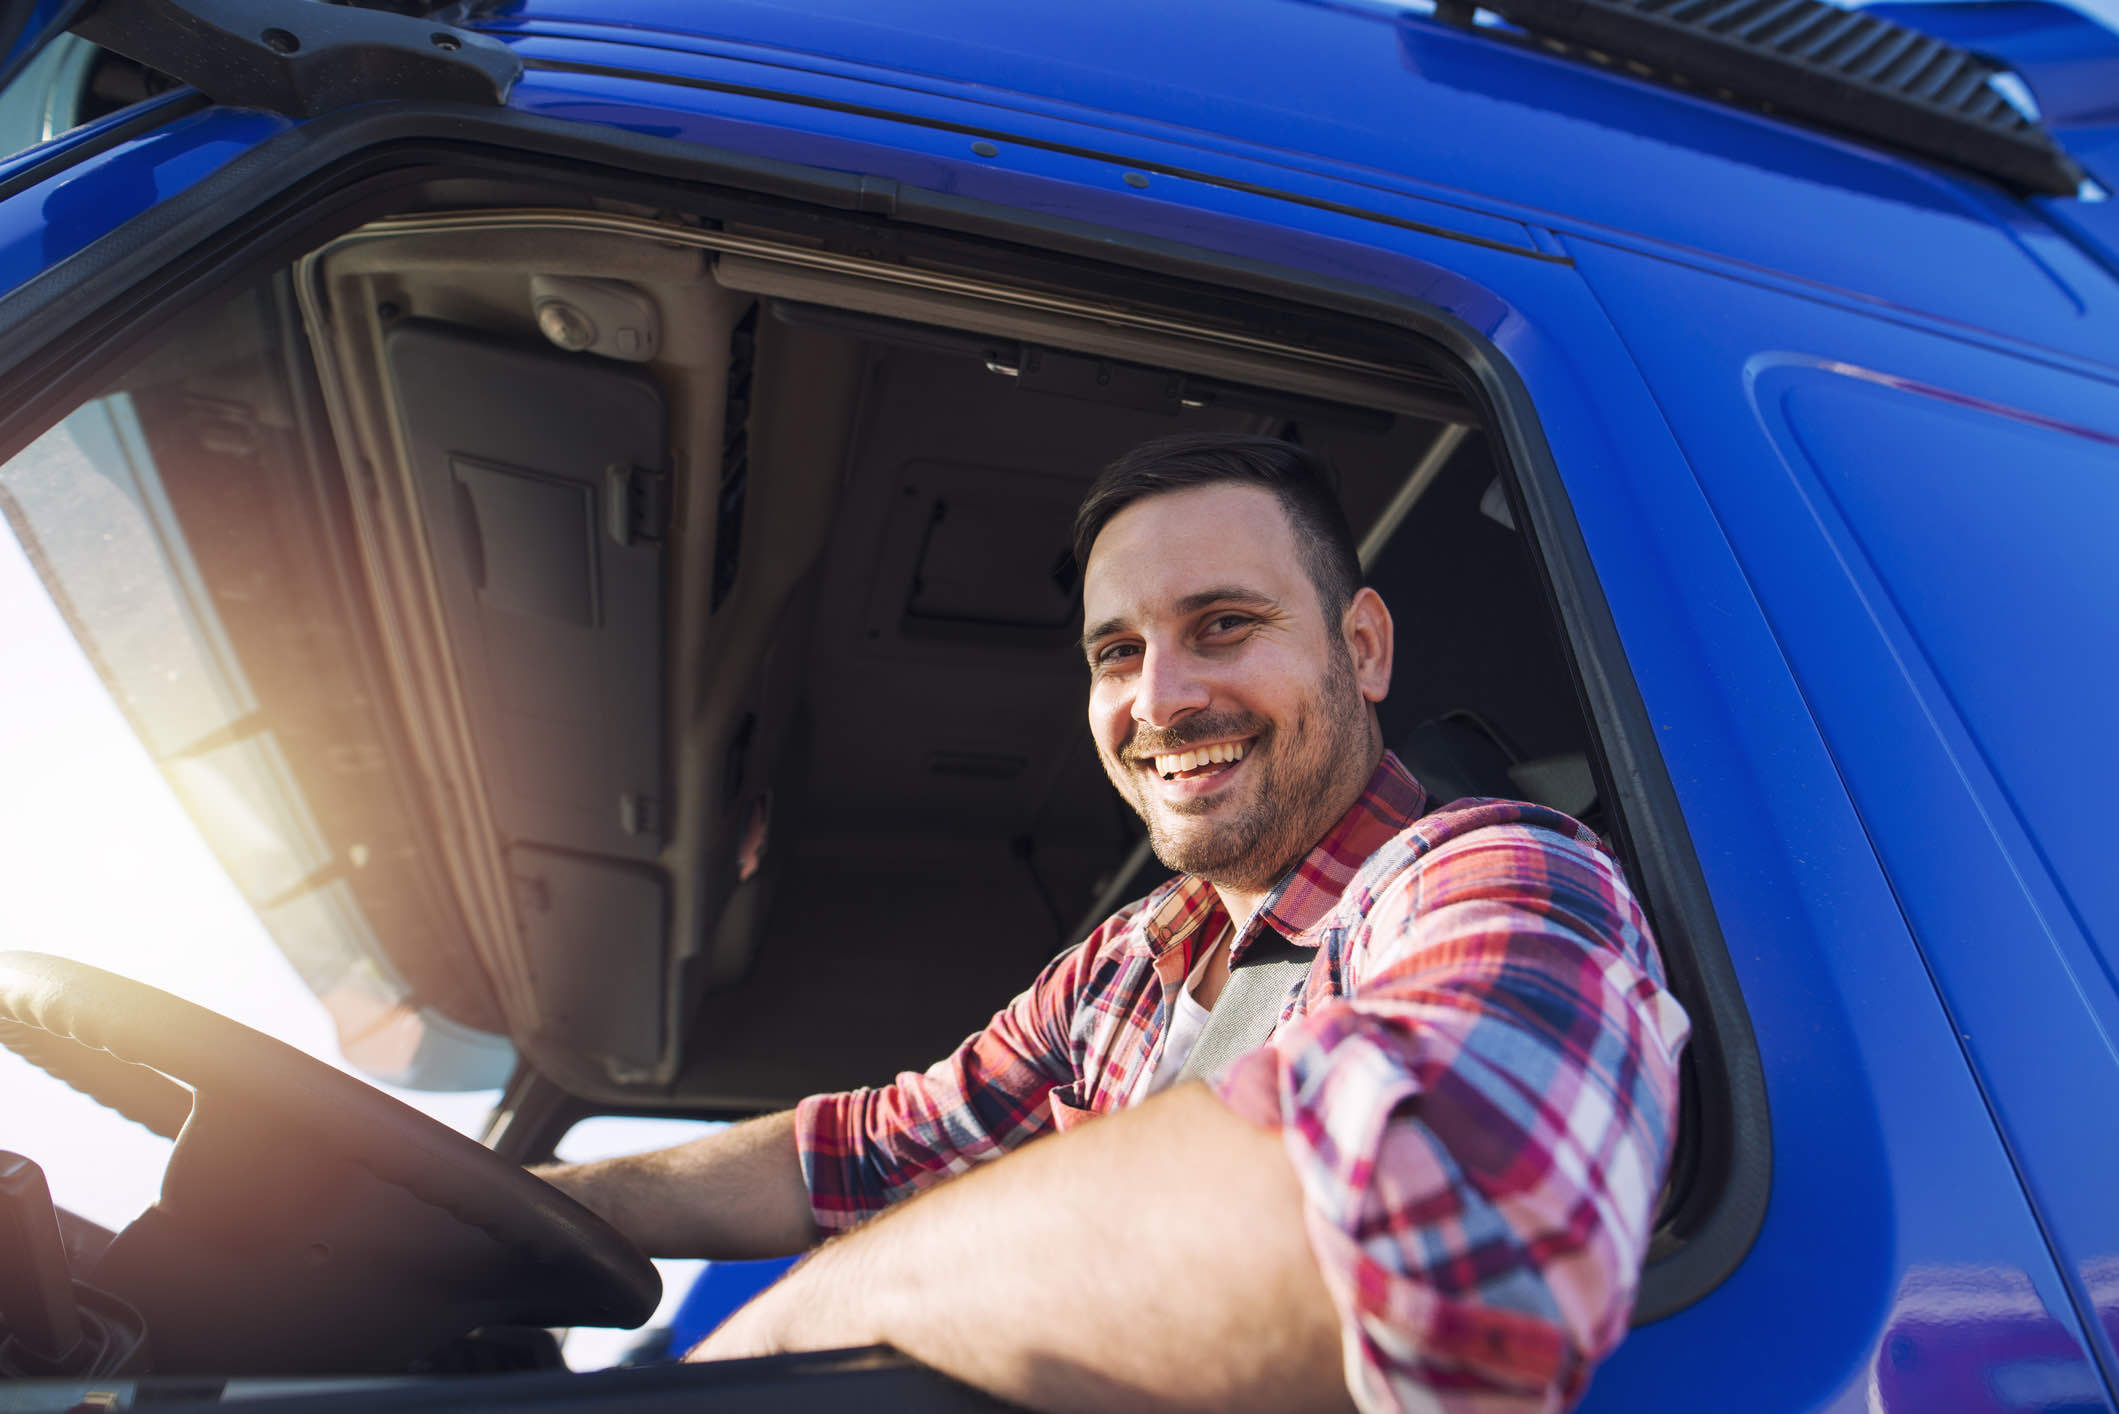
{"type": "Point", "coordinates": [1162, 741]}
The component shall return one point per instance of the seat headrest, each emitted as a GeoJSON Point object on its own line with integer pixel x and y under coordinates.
{"type": "Point", "coordinates": [1455, 756]}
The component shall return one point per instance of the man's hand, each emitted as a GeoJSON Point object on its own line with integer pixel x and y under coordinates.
{"type": "Point", "coordinates": [1154, 1259]}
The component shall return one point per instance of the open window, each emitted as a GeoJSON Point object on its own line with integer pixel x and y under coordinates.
{"type": "Point", "coordinates": [651, 618]}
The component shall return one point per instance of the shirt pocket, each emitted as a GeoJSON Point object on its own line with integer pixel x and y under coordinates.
{"type": "Point", "coordinates": [1067, 1108]}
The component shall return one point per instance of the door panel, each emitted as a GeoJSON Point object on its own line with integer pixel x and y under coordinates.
{"type": "Point", "coordinates": [1926, 524]}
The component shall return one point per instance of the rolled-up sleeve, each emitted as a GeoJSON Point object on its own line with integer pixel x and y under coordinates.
{"type": "Point", "coordinates": [863, 1150]}
{"type": "Point", "coordinates": [1481, 1123]}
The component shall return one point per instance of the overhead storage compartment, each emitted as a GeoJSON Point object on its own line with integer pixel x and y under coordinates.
{"type": "Point", "coordinates": [538, 473]}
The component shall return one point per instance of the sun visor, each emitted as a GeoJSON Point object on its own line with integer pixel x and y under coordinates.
{"type": "Point", "coordinates": [542, 485]}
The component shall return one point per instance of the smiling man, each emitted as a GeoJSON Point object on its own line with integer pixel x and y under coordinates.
{"type": "Point", "coordinates": [1433, 1186]}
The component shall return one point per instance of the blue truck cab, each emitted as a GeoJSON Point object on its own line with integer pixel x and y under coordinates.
{"type": "Point", "coordinates": [1775, 347]}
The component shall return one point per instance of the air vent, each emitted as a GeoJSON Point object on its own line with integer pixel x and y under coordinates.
{"type": "Point", "coordinates": [1843, 69]}
{"type": "Point", "coordinates": [967, 558]}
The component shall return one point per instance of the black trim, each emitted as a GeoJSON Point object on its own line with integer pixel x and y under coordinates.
{"type": "Point", "coordinates": [15, 16]}
{"type": "Point", "coordinates": [453, 985]}
{"type": "Point", "coordinates": [16, 25]}
{"type": "Point", "coordinates": [302, 60]}
{"type": "Point", "coordinates": [329, 175]}
{"type": "Point", "coordinates": [874, 1380]}
{"type": "Point", "coordinates": [1724, 1203]}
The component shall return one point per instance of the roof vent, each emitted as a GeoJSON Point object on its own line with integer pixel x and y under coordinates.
{"type": "Point", "coordinates": [1844, 69]}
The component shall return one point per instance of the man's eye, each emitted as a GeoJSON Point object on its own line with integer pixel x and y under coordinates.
{"type": "Point", "coordinates": [1228, 623]}
{"type": "Point", "coordinates": [1114, 653]}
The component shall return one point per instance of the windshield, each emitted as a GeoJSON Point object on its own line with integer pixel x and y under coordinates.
{"type": "Point", "coordinates": [98, 862]}
{"type": "Point", "coordinates": [200, 795]}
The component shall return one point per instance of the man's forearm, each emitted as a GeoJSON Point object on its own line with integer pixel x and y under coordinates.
{"type": "Point", "coordinates": [729, 1196]}
{"type": "Point", "coordinates": [1154, 1259]}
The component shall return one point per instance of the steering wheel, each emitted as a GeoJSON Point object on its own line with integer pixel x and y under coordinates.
{"type": "Point", "coordinates": [307, 1221]}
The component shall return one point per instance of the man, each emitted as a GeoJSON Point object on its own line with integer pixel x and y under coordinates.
{"type": "Point", "coordinates": [1431, 1190]}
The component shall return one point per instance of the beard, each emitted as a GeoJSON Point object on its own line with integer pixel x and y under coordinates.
{"type": "Point", "coordinates": [1303, 779]}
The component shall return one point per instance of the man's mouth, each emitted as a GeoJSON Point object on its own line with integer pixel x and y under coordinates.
{"type": "Point", "coordinates": [1201, 761]}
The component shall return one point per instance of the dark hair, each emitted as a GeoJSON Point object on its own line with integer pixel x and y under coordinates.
{"type": "Point", "coordinates": [1299, 479]}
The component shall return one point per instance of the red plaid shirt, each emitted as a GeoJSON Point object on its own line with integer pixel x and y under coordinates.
{"type": "Point", "coordinates": [1476, 1083]}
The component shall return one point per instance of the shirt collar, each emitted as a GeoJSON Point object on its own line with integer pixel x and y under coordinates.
{"type": "Point", "coordinates": [1307, 893]}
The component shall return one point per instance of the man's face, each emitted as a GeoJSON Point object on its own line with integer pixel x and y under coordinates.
{"type": "Point", "coordinates": [1225, 703]}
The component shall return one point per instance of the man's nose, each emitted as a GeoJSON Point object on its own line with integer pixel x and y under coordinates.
{"type": "Point", "coordinates": [1169, 688]}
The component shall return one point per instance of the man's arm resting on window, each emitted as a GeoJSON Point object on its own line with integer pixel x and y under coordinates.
{"type": "Point", "coordinates": [742, 1192]}
{"type": "Point", "coordinates": [1154, 1259]}
{"type": "Point", "coordinates": [733, 1194]}
{"type": "Point", "coordinates": [1470, 1144]}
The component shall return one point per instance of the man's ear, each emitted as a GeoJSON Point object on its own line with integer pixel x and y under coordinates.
{"type": "Point", "coordinates": [1367, 627]}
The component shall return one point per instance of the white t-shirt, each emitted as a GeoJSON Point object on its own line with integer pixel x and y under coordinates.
{"type": "Point", "coordinates": [1185, 1026]}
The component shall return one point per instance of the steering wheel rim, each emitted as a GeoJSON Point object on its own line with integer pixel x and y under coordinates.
{"type": "Point", "coordinates": [136, 1024]}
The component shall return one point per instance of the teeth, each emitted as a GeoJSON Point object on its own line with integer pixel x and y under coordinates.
{"type": "Point", "coordinates": [1181, 761]}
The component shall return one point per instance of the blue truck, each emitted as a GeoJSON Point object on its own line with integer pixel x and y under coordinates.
{"type": "Point", "coordinates": [570, 494]}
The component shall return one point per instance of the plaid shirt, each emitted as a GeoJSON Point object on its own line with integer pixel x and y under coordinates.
{"type": "Point", "coordinates": [1476, 1084]}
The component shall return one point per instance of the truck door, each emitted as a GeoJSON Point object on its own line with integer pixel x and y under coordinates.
{"type": "Point", "coordinates": [1924, 513]}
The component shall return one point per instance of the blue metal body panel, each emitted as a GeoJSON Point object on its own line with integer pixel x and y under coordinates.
{"type": "Point", "coordinates": [1841, 432]}
{"type": "Point", "coordinates": [2095, 224]}
{"type": "Point", "coordinates": [1405, 105]}
{"type": "Point", "coordinates": [1923, 522]}
{"type": "Point", "coordinates": [51, 219]}
{"type": "Point", "coordinates": [2071, 64]}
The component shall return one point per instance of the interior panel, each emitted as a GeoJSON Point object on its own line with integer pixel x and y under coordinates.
{"type": "Point", "coordinates": [553, 604]}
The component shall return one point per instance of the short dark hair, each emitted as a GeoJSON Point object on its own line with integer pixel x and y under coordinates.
{"type": "Point", "coordinates": [1298, 478]}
